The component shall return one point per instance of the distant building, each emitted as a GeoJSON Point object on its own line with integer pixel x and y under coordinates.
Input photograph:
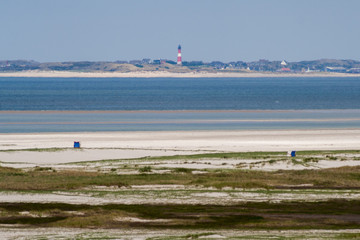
{"type": "Point", "coordinates": [170, 62]}
{"type": "Point", "coordinates": [310, 70]}
{"type": "Point", "coordinates": [146, 61]}
{"type": "Point", "coordinates": [135, 62]}
{"type": "Point", "coordinates": [285, 70]}
{"type": "Point", "coordinates": [217, 64]}
{"type": "Point", "coordinates": [6, 64]}
{"type": "Point", "coordinates": [283, 63]}
{"type": "Point", "coordinates": [354, 70]}
{"type": "Point", "coordinates": [336, 69]}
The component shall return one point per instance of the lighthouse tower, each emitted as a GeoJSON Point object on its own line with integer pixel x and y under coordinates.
{"type": "Point", "coordinates": [179, 55]}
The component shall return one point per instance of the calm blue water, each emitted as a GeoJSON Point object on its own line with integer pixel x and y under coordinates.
{"type": "Point", "coordinates": [178, 94]}
{"type": "Point", "coordinates": [13, 122]}
{"type": "Point", "coordinates": [292, 103]}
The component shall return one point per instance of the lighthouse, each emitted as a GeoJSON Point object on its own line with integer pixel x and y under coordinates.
{"type": "Point", "coordinates": [179, 55]}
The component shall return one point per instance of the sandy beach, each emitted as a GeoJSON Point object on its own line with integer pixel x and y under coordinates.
{"type": "Point", "coordinates": [127, 145]}
{"type": "Point", "coordinates": [163, 74]}
{"type": "Point", "coordinates": [224, 141]}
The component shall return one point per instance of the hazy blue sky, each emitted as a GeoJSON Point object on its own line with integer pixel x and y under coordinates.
{"type": "Point", "coordinates": [225, 30]}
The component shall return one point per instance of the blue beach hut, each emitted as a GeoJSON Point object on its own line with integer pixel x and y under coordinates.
{"type": "Point", "coordinates": [76, 144]}
{"type": "Point", "coordinates": [291, 153]}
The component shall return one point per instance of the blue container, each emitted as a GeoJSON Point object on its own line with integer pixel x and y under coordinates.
{"type": "Point", "coordinates": [76, 144]}
{"type": "Point", "coordinates": [293, 153]}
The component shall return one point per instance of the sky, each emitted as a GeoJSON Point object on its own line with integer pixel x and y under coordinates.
{"type": "Point", "coordinates": [208, 30]}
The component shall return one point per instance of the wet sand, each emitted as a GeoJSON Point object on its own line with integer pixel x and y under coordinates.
{"type": "Point", "coordinates": [167, 111]}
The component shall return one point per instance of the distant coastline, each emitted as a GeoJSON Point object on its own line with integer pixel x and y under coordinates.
{"type": "Point", "coordinates": [164, 74]}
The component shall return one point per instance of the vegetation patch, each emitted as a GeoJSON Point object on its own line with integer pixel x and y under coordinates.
{"type": "Point", "coordinates": [182, 170]}
{"type": "Point", "coordinates": [311, 159]}
{"type": "Point", "coordinates": [29, 220]}
{"type": "Point", "coordinates": [46, 179]}
{"type": "Point", "coordinates": [287, 215]}
{"type": "Point", "coordinates": [37, 150]}
{"type": "Point", "coordinates": [40, 169]}
{"type": "Point", "coordinates": [145, 169]}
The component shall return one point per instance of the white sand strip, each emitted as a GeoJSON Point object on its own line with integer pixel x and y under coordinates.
{"type": "Point", "coordinates": [142, 234]}
{"type": "Point", "coordinates": [141, 144]}
{"type": "Point", "coordinates": [74, 155]}
{"type": "Point", "coordinates": [233, 141]}
{"type": "Point", "coordinates": [221, 197]}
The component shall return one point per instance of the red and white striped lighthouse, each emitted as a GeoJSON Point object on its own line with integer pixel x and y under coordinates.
{"type": "Point", "coordinates": [179, 55]}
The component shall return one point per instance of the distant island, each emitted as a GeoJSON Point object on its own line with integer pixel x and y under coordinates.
{"type": "Point", "coordinates": [169, 68]}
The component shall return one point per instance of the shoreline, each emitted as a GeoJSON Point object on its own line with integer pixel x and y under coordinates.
{"type": "Point", "coordinates": [186, 121]}
{"type": "Point", "coordinates": [162, 74]}
{"type": "Point", "coordinates": [190, 132]}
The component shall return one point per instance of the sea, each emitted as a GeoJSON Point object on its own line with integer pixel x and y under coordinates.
{"type": "Point", "coordinates": [29, 105]}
